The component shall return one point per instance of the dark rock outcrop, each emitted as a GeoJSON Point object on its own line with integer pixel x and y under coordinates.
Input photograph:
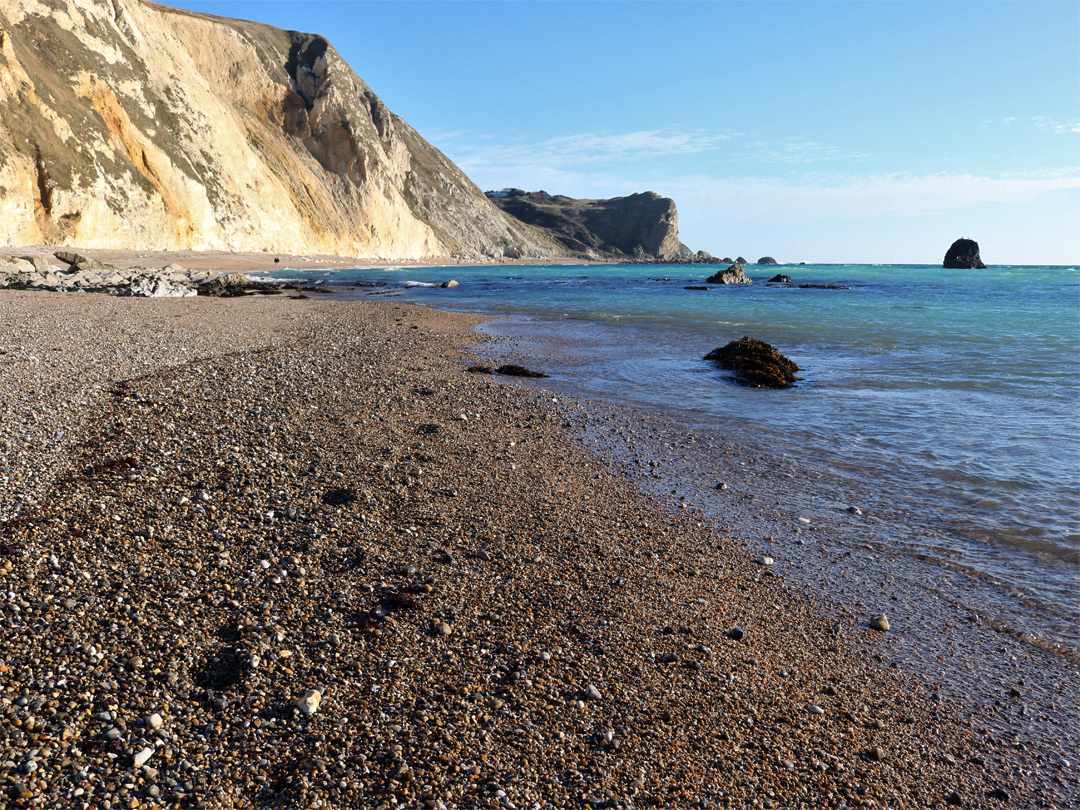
{"type": "Point", "coordinates": [641, 227]}
{"type": "Point", "coordinates": [755, 364]}
{"type": "Point", "coordinates": [780, 278]}
{"type": "Point", "coordinates": [963, 254]}
{"type": "Point", "coordinates": [732, 275]}
{"type": "Point", "coordinates": [767, 260]}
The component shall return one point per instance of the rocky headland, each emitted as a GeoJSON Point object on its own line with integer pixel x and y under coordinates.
{"type": "Point", "coordinates": [639, 228]}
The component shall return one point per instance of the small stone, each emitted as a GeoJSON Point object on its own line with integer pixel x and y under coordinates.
{"type": "Point", "coordinates": [592, 693]}
{"type": "Point", "coordinates": [721, 486]}
{"type": "Point", "coordinates": [1000, 794]}
{"type": "Point", "coordinates": [877, 753]}
{"type": "Point", "coordinates": [443, 629]}
{"type": "Point", "coordinates": [766, 560]}
{"type": "Point", "coordinates": [155, 721]}
{"type": "Point", "coordinates": [736, 634]}
{"type": "Point", "coordinates": [955, 799]}
{"type": "Point", "coordinates": [816, 710]}
{"type": "Point", "coordinates": [309, 703]}
{"type": "Point", "coordinates": [142, 756]}
{"type": "Point", "coordinates": [854, 510]}
{"type": "Point", "coordinates": [880, 623]}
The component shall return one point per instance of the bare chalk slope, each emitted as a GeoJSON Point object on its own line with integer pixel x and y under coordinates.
{"type": "Point", "coordinates": [126, 124]}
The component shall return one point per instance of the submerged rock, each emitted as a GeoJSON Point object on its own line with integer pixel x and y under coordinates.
{"type": "Point", "coordinates": [511, 370]}
{"type": "Point", "coordinates": [756, 364]}
{"type": "Point", "coordinates": [732, 275]}
{"type": "Point", "coordinates": [963, 254]}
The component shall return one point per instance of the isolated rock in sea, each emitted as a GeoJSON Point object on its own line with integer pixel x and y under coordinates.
{"type": "Point", "coordinates": [727, 260]}
{"type": "Point", "coordinates": [732, 275]}
{"type": "Point", "coordinates": [446, 285]}
{"type": "Point", "coordinates": [767, 260]}
{"type": "Point", "coordinates": [756, 364]}
{"type": "Point", "coordinates": [780, 278]}
{"type": "Point", "coordinates": [741, 260]}
{"type": "Point", "coordinates": [963, 254]}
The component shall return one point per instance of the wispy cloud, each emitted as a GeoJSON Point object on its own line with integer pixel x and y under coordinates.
{"type": "Point", "coordinates": [1056, 125]}
{"type": "Point", "coordinates": [824, 198]}
{"type": "Point", "coordinates": [801, 151]}
{"type": "Point", "coordinates": [577, 149]}
{"type": "Point", "coordinates": [1046, 123]}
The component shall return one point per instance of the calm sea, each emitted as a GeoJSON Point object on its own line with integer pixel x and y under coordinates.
{"type": "Point", "coordinates": [945, 403]}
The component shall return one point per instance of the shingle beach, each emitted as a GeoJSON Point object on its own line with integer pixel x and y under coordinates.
{"type": "Point", "coordinates": [269, 552]}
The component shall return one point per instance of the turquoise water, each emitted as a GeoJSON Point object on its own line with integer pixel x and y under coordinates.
{"type": "Point", "coordinates": [949, 399]}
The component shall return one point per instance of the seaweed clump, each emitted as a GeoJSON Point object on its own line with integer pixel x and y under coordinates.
{"type": "Point", "coordinates": [755, 364]}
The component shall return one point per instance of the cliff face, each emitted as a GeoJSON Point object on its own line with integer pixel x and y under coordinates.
{"type": "Point", "coordinates": [641, 227]}
{"type": "Point", "coordinates": [128, 124]}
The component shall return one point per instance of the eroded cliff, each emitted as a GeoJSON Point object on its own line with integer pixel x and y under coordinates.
{"type": "Point", "coordinates": [128, 124]}
{"type": "Point", "coordinates": [640, 227]}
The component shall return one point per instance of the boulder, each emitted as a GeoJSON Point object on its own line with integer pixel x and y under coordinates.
{"type": "Point", "coordinates": [446, 285]}
{"type": "Point", "coordinates": [963, 254]}
{"type": "Point", "coordinates": [780, 278]}
{"type": "Point", "coordinates": [732, 275]}
{"type": "Point", "coordinates": [767, 260]}
{"type": "Point", "coordinates": [155, 287]}
{"type": "Point", "coordinates": [755, 364]}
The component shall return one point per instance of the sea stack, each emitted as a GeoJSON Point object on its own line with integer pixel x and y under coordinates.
{"type": "Point", "coordinates": [963, 254]}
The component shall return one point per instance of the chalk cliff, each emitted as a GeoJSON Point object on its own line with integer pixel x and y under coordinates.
{"type": "Point", "coordinates": [127, 124]}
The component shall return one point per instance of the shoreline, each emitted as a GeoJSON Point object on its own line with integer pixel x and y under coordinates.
{"type": "Point", "coordinates": [586, 582]}
{"type": "Point", "coordinates": [238, 262]}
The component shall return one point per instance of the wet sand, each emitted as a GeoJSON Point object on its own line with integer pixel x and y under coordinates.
{"type": "Point", "coordinates": [212, 508]}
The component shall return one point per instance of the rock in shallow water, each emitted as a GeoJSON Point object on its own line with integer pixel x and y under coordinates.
{"type": "Point", "coordinates": [756, 364]}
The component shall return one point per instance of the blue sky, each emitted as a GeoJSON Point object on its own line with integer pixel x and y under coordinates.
{"type": "Point", "coordinates": [837, 131]}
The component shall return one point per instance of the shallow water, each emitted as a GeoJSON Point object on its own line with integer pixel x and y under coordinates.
{"type": "Point", "coordinates": [944, 403]}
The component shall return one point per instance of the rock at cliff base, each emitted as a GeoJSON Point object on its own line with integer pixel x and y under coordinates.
{"type": "Point", "coordinates": [156, 287]}
{"type": "Point", "coordinates": [732, 275]}
{"type": "Point", "coordinates": [963, 254]}
{"type": "Point", "coordinates": [780, 278]}
{"type": "Point", "coordinates": [767, 260]}
{"type": "Point", "coordinates": [755, 364]}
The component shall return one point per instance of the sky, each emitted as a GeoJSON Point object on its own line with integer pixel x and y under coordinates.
{"type": "Point", "coordinates": [843, 131]}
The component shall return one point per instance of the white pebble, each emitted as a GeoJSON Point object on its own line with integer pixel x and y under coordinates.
{"type": "Point", "coordinates": [309, 703]}
{"type": "Point", "coordinates": [141, 757]}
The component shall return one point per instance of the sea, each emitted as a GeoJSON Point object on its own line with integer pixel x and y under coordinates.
{"type": "Point", "coordinates": [931, 449]}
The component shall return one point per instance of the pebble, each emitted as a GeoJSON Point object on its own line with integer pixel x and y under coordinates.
{"type": "Point", "coordinates": [736, 634]}
{"type": "Point", "coordinates": [592, 693]}
{"type": "Point", "coordinates": [309, 702]}
{"type": "Point", "coordinates": [880, 623]}
{"type": "Point", "coordinates": [142, 757]}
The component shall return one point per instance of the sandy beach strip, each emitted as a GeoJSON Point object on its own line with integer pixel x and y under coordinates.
{"type": "Point", "coordinates": [268, 552]}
